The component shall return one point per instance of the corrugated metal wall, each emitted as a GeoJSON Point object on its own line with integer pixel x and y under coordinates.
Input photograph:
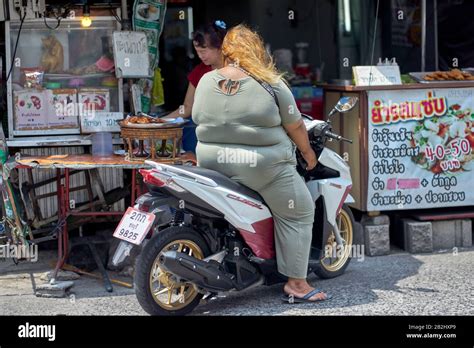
{"type": "Point", "coordinates": [111, 178]}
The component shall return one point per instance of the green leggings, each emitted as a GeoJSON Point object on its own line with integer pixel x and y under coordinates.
{"type": "Point", "coordinates": [273, 175]}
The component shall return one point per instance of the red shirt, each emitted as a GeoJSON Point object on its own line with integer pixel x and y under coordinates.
{"type": "Point", "coordinates": [195, 76]}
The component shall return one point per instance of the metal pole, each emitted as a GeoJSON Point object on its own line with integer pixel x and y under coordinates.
{"type": "Point", "coordinates": [435, 10]}
{"type": "Point", "coordinates": [423, 35]}
{"type": "Point", "coordinates": [125, 24]}
{"type": "Point", "coordinates": [124, 9]}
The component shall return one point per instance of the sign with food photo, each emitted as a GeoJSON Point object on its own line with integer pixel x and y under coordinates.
{"type": "Point", "coordinates": [45, 109]}
{"type": "Point", "coordinates": [31, 109]}
{"type": "Point", "coordinates": [94, 100]}
{"type": "Point", "coordinates": [65, 113]}
{"type": "Point", "coordinates": [421, 148]}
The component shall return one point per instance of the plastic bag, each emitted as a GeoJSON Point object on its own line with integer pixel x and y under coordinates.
{"type": "Point", "coordinates": [32, 77]}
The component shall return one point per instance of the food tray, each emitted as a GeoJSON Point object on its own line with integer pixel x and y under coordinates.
{"type": "Point", "coordinates": [171, 124]}
{"type": "Point", "coordinates": [418, 76]}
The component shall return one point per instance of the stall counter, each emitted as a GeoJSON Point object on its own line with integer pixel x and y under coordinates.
{"type": "Point", "coordinates": [413, 144]}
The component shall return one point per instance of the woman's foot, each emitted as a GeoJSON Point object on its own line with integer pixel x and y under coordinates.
{"type": "Point", "coordinates": [299, 288]}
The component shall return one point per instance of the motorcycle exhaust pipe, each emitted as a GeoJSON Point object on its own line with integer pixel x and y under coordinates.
{"type": "Point", "coordinates": [206, 275]}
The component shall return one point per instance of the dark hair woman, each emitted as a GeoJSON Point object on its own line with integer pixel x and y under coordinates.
{"type": "Point", "coordinates": [207, 41]}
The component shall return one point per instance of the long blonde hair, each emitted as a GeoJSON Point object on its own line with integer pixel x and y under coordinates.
{"type": "Point", "coordinates": [245, 48]}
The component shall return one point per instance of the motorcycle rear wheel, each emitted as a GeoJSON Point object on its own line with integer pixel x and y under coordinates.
{"type": "Point", "coordinates": [333, 262]}
{"type": "Point", "coordinates": [156, 291]}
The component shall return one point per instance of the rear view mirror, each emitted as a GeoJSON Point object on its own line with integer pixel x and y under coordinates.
{"type": "Point", "coordinates": [345, 104]}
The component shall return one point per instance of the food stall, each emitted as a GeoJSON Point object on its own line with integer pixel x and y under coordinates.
{"type": "Point", "coordinates": [74, 154]}
{"type": "Point", "coordinates": [62, 82]}
{"type": "Point", "coordinates": [413, 143]}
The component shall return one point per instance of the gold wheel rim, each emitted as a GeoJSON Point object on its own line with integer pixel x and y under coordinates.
{"type": "Point", "coordinates": [166, 292]}
{"type": "Point", "coordinates": [333, 264]}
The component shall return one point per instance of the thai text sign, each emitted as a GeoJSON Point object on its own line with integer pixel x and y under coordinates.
{"type": "Point", "coordinates": [421, 149]}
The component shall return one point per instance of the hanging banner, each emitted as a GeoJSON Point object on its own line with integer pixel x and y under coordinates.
{"type": "Point", "coordinates": [149, 16]}
{"type": "Point", "coordinates": [421, 149]}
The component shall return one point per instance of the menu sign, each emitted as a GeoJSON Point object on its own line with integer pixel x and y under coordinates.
{"type": "Point", "coordinates": [377, 75]}
{"type": "Point", "coordinates": [101, 122]}
{"type": "Point", "coordinates": [45, 109]}
{"type": "Point", "coordinates": [31, 109]}
{"type": "Point", "coordinates": [131, 54]}
{"type": "Point", "coordinates": [421, 149]}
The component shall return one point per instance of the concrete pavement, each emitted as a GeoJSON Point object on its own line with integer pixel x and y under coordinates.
{"type": "Point", "coordinates": [398, 284]}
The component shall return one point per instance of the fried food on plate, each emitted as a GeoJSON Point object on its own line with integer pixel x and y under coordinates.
{"type": "Point", "coordinates": [142, 120]}
{"type": "Point", "coordinates": [453, 75]}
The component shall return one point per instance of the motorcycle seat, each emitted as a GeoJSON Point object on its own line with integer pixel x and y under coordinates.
{"type": "Point", "coordinates": [224, 181]}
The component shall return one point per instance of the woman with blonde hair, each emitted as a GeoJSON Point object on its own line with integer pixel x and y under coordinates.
{"type": "Point", "coordinates": [246, 108]}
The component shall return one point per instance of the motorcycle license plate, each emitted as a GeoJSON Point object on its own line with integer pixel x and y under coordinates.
{"type": "Point", "coordinates": [134, 226]}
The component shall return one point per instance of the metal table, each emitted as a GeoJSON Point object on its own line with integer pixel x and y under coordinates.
{"type": "Point", "coordinates": [66, 163]}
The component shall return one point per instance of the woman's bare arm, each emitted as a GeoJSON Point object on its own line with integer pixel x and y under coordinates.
{"type": "Point", "coordinates": [186, 109]}
{"type": "Point", "coordinates": [298, 133]}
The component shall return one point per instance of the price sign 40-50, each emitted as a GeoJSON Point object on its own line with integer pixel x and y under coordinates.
{"type": "Point", "coordinates": [455, 149]}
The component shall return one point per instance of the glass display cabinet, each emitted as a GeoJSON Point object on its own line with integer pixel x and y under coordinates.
{"type": "Point", "coordinates": [60, 75]}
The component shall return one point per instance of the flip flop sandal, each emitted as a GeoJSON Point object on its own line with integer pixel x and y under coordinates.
{"type": "Point", "coordinates": [305, 299]}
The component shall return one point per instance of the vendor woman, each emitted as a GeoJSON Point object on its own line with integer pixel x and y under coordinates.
{"type": "Point", "coordinates": [207, 40]}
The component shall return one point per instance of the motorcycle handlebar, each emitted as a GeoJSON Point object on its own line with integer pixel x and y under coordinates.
{"type": "Point", "coordinates": [336, 137]}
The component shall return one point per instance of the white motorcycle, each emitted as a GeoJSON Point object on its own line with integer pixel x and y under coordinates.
{"type": "Point", "coordinates": [221, 236]}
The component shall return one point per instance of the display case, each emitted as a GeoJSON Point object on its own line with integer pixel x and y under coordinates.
{"type": "Point", "coordinates": [60, 76]}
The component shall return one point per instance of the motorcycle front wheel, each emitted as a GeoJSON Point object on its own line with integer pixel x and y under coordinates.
{"type": "Point", "coordinates": [156, 290]}
{"type": "Point", "coordinates": [334, 260]}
